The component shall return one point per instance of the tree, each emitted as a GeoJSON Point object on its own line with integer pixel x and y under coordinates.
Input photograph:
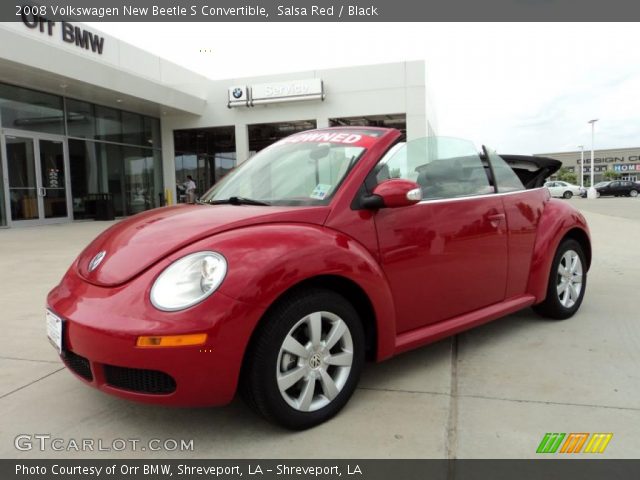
{"type": "Point", "coordinates": [565, 175]}
{"type": "Point", "coordinates": [611, 175]}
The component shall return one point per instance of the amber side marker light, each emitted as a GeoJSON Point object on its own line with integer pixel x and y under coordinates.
{"type": "Point", "coordinates": [172, 340]}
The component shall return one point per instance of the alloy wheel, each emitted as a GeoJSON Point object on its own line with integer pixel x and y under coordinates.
{"type": "Point", "coordinates": [569, 279]}
{"type": "Point", "coordinates": [314, 361]}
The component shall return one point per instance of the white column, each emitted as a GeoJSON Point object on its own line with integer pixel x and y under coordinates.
{"type": "Point", "coordinates": [242, 143]}
{"type": "Point", "coordinates": [322, 122]}
{"type": "Point", "coordinates": [591, 193]}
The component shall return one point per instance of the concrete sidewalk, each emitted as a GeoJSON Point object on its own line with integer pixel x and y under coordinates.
{"type": "Point", "coordinates": [492, 392]}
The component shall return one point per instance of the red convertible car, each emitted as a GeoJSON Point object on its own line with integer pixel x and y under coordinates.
{"type": "Point", "coordinates": [329, 248]}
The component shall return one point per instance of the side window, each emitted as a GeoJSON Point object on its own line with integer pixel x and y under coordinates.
{"type": "Point", "coordinates": [614, 184]}
{"type": "Point", "coordinates": [506, 178]}
{"type": "Point", "coordinates": [395, 165]}
{"type": "Point", "coordinates": [443, 167]}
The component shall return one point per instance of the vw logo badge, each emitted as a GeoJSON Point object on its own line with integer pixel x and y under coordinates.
{"type": "Point", "coordinates": [237, 93]}
{"type": "Point", "coordinates": [314, 361]}
{"type": "Point", "coordinates": [95, 261]}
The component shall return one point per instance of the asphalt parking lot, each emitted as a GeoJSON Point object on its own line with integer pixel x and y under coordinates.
{"type": "Point", "coordinates": [494, 395]}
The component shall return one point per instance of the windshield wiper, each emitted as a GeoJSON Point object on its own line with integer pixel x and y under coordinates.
{"type": "Point", "coordinates": [237, 201]}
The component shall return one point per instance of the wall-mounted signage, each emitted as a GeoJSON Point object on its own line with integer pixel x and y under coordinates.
{"type": "Point", "coordinates": [628, 167]}
{"type": "Point", "coordinates": [596, 168]}
{"type": "Point", "coordinates": [263, 93]}
{"type": "Point", "coordinates": [238, 96]}
{"type": "Point", "coordinates": [69, 33]}
{"type": "Point", "coordinates": [630, 158]}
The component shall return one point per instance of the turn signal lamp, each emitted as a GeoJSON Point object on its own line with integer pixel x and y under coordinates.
{"type": "Point", "coordinates": [172, 340]}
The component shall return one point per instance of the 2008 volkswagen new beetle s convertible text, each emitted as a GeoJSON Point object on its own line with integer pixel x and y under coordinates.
{"type": "Point", "coordinates": [326, 249]}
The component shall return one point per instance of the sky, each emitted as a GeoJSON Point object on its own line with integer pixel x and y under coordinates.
{"type": "Point", "coordinates": [517, 87]}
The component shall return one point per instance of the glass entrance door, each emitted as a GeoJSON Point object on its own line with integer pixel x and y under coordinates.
{"type": "Point", "coordinates": [36, 168]}
{"type": "Point", "coordinates": [23, 178]}
{"type": "Point", "coordinates": [53, 187]}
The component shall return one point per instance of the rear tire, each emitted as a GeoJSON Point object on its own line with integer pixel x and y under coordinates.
{"type": "Point", "coordinates": [567, 282]}
{"type": "Point", "coordinates": [567, 195]}
{"type": "Point", "coordinates": [633, 193]}
{"type": "Point", "coordinates": [305, 360]}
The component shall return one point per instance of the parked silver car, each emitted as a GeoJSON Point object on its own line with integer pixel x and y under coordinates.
{"type": "Point", "coordinates": [562, 189]}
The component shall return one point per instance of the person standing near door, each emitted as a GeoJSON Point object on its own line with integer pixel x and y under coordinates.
{"type": "Point", "coordinates": [190, 188]}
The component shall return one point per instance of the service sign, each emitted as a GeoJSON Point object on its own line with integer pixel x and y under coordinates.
{"type": "Point", "coordinates": [282, 90]}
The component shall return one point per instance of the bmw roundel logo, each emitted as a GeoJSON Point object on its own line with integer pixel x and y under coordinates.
{"type": "Point", "coordinates": [237, 93]}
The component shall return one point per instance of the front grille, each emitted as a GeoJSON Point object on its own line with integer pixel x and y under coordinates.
{"type": "Point", "coordinates": [138, 380]}
{"type": "Point", "coordinates": [78, 364]}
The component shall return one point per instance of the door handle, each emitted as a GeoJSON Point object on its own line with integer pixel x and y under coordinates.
{"type": "Point", "coordinates": [496, 218]}
{"type": "Point", "coordinates": [42, 191]}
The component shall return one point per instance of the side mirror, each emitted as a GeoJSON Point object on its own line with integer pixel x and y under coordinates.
{"type": "Point", "coordinates": [393, 193]}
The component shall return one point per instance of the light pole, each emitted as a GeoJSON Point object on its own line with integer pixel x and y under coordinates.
{"type": "Point", "coordinates": [591, 193]}
{"type": "Point", "coordinates": [581, 147]}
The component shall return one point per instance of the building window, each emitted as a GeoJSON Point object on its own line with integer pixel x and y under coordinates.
{"type": "Point", "coordinates": [81, 119]}
{"type": "Point", "coordinates": [3, 213]}
{"type": "Point", "coordinates": [151, 132]}
{"type": "Point", "coordinates": [23, 109]}
{"type": "Point", "coordinates": [262, 135]}
{"type": "Point", "coordinates": [142, 166]}
{"type": "Point", "coordinates": [110, 151]}
{"type": "Point", "coordinates": [108, 124]}
{"type": "Point", "coordinates": [395, 120]}
{"type": "Point", "coordinates": [206, 154]}
{"type": "Point", "coordinates": [85, 120]}
{"type": "Point", "coordinates": [132, 175]}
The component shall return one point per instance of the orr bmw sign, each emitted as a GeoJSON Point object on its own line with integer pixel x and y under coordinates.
{"type": "Point", "coordinates": [68, 32]}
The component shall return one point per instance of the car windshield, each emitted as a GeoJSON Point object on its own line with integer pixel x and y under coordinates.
{"type": "Point", "coordinates": [303, 169]}
{"type": "Point", "coordinates": [601, 184]}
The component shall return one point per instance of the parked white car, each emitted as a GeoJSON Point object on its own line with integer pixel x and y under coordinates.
{"type": "Point", "coordinates": [563, 189]}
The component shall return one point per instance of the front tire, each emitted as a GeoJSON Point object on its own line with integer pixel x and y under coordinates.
{"type": "Point", "coordinates": [567, 195]}
{"type": "Point", "coordinates": [567, 282]}
{"type": "Point", "coordinates": [305, 360]}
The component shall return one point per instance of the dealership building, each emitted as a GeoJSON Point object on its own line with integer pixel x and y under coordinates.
{"type": "Point", "coordinates": [623, 161]}
{"type": "Point", "coordinates": [85, 117]}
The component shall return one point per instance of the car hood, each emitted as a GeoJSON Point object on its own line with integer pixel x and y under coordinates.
{"type": "Point", "coordinates": [133, 245]}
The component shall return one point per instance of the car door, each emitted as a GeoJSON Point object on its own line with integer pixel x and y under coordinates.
{"type": "Point", "coordinates": [553, 189]}
{"type": "Point", "coordinates": [614, 188]}
{"type": "Point", "coordinates": [558, 189]}
{"type": "Point", "coordinates": [446, 255]}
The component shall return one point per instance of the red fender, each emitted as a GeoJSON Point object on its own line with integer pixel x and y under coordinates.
{"type": "Point", "coordinates": [558, 218]}
{"type": "Point", "coordinates": [267, 260]}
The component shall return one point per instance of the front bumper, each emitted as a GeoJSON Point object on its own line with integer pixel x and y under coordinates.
{"type": "Point", "coordinates": [101, 326]}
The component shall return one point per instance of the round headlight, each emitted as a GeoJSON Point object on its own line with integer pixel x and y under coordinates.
{"type": "Point", "coordinates": [188, 281]}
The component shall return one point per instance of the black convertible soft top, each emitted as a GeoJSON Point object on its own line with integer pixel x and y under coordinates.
{"type": "Point", "coordinates": [532, 170]}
